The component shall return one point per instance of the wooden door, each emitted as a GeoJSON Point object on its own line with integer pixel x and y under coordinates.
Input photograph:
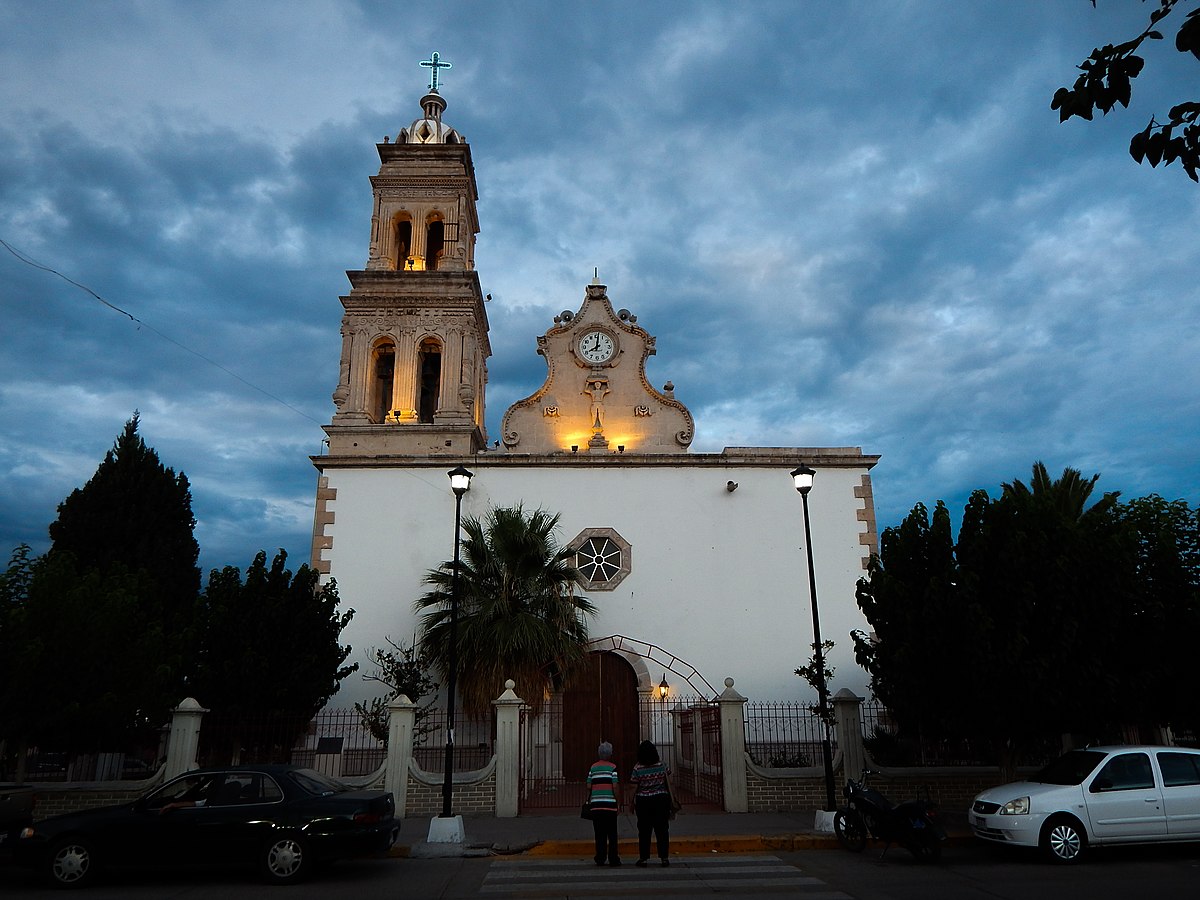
{"type": "Point", "coordinates": [601, 704]}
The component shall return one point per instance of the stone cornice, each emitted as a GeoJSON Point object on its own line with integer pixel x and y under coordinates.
{"type": "Point", "coordinates": [730, 457]}
{"type": "Point", "coordinates": [412, 154]}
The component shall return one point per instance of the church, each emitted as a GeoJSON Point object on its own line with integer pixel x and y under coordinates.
{"type": "Point", "coordinates": [695, 562]}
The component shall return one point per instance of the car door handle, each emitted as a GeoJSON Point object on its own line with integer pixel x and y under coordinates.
{"type": "Point", "coordinates": [1150, 799]}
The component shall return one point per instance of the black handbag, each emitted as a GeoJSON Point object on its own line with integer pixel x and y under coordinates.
{"type": "Point", "coordinates": [585, 811]}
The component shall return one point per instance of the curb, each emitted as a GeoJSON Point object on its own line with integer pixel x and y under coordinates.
{"type": "Point", "coordinates": [682, 846]}
{"type": "Point", "coordinates": [697, 845]}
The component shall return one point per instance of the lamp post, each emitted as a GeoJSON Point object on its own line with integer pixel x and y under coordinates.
{"type": "Point", "coordinates": [460, 483]}
{"type": "Point", "coordinates": [802, 478]}
{"type": "Point", "coordinates": [663, 690]}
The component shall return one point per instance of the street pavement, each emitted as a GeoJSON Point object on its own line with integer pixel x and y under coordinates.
{"type": "Point", "coordinates": [691, 835]}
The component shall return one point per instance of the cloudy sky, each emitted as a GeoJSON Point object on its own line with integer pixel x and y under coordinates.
{"type": "Point", "coordinates": [848, 223]}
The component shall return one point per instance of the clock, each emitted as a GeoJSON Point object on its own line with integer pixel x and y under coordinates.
{"type": "Point", "coordinates": [596, 347]}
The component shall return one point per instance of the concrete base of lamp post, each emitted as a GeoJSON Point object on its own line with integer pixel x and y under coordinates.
{"type": "Point", "coordinates": [446, 830]}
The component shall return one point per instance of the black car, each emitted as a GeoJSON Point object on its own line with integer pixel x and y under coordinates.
{"type": "Point", "coordinates": [280, 819]}
{"type": "Point", "coordinates": [16, 812]}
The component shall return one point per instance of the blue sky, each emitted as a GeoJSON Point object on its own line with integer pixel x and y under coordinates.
{"type": "Point", "coordinates": [850, 223]}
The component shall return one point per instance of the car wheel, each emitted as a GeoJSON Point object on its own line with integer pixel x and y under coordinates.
{"type": "Point", "coordinates": [285, 859]}
{"type": "Point", "coordinates": [1063, 841]}
{"type": "Point", "coordinates": [850, 830]}
{"type": "Point", "coordinates": [72, 862]}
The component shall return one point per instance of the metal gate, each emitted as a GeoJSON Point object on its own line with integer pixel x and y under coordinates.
{"type": "Point", "coordinates": [698, 761]}
{"type": "Point", "coordinates": [559, 742]}
{"type": "Point", "coordinates": [686, 733]}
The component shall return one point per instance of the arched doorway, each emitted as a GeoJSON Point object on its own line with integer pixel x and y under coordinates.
{"type": "Point", "coordinates": [558, 745]}
{"type": "Point", "coordinates": [600, 704]}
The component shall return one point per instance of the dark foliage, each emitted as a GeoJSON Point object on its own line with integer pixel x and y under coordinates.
{"type": "Point", "coordinates": [1048, 616]}
{"type": "Point", "coordinates": [1106, 80]}
{"type": "Point", "coordinates": [137, 513]}
{"type": "Point", "coordinates": [403, 672]}
{"type": "Point", "coordinates": [87, 670]}
{"type": "Point", "coordinates": [269, 642]}
{"type": "Point", "coordinates": [96, 633]}
{"type": "Point", "coordinates": [1167, 616]}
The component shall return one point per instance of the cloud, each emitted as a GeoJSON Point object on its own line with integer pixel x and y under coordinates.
{"type": "Point", "coordinates": [859, 225]}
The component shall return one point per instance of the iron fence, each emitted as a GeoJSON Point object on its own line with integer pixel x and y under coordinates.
{"type": "Point", "coordinates": [784, 734]}
{"type": "Point", "coordinates": [132, 755]}
{"type": "Point", "coordinates": [891, 745]}
{"type": "Point", "coordinates": [474, 741]}
{"type": "Point", "coordinates": [334, 741]}
{"type": "Point", "coordinates": [132, 760]}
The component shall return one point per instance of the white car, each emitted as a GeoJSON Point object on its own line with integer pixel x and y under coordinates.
{"type": "Point", "coordinates": [1101, 795]}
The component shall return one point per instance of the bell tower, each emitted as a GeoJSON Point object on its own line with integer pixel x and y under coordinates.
{"type": "Point", "coordinates": [415, 330]}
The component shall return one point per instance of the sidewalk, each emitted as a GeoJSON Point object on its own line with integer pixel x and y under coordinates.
{"type": "Point", "coordinates": [691, 835]}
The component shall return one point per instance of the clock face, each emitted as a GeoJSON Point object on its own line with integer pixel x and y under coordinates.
{"type": "Point", "coordinates": [596, 347]}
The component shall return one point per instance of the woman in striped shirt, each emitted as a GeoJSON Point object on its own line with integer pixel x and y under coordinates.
{"type": "Point", "coordinates": [602, 803]}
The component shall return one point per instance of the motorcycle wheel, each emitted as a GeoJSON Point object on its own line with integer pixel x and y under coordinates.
{"type": "Point", "coordinates": [850, 829]}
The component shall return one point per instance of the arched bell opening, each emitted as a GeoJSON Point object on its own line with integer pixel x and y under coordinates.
{"type": "Point", "coordinates": [435, 243]}
{"type": "Point", "coordinates": [429, 379]}
{"type": "Point", "coordinates": [402, 241]}
{"type": "Point", "coordinates": [383, 376]}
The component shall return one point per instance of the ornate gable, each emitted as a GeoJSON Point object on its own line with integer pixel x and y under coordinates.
{"type": "Point", "coordinates": [596, 398]}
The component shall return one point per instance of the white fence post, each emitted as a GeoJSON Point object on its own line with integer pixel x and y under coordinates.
{"type": "Point", "coordinates": [847, 715]}
{"type": "Point", "coordinates": [402, 718]}
{"type": "Point", "coordinates": [184, 742]}
{"type": "Point", "coordinates": [733, 748]}
{"type": "Point", "coordinates": [508, 751]}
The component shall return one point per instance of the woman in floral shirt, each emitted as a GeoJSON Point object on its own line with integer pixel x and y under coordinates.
{"type": "Point", "coordinates": [652, 803]}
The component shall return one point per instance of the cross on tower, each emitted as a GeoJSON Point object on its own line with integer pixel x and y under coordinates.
{"type": "Point", "coordinates": [435, 62]}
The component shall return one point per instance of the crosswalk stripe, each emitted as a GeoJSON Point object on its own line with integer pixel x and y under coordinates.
{"type": "Point", "coordinates": [685, 876]}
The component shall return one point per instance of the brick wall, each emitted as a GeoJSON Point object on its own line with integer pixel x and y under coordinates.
{"type": "Point", "coordinates": [471, 799]}
{"type": "Point", "coordinates": [783, 794]}
{"type": "Point", "coordinates": [950, 789]}
{"type": "Point", "coordinates": [54, 801]}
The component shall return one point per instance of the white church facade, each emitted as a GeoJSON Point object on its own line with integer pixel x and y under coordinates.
{"type": "Point", "coordinates": [695, 562]}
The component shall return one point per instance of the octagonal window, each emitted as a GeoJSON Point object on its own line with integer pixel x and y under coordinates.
{"type": "Point", "coordinates": [602, 557]}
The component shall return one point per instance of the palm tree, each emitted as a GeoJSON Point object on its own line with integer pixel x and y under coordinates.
{"type": "Point", "coordinates": [518, 615]}
{"type": "Point", "coordinates": [1067, 495]}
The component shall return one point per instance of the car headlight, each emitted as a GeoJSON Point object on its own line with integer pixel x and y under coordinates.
{"type": "Point", "coordinates": [1018, 807]}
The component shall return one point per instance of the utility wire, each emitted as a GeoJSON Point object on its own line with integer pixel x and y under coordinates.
{"type": "Point", "coordinates": [212, 362]}
{"type": "Point", "coordinates": [83, 287]}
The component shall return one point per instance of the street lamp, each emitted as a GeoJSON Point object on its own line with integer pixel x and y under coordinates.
{"type": "Point", "coordinates": [802, 478]}
{"type": "Point", "coordinates": [460, 483]}
{"type": "Point", "coordinates": [663, 690]}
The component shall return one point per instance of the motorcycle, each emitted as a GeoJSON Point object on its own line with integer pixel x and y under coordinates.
{"type": "Point", "coordinates": [911, 824]}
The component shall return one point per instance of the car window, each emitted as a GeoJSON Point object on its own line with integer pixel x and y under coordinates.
{"type": "Point", "coordinates": [241, 788]}
{"type": "Point", "coordinates": [1124, 772]}
{"type": "Point", "coordinates": [259, 788]}
{"type": "Point", "coordinates": [1179, 768]}
{"type": "Point", "coordinates": [196, 788]}
{"type": "Point", "coordinates": [1070, 768]}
